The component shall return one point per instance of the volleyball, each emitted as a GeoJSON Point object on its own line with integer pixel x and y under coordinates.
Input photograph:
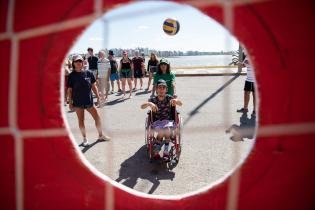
{"type": "Point", "coordinates": [171, 26]}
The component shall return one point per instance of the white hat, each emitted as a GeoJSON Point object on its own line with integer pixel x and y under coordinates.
{"type": "Point", "coordinates": [77, 57]}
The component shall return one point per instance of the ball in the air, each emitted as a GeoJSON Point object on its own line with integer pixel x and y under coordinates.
{"type": "Point", "coordinates": [171, 26]}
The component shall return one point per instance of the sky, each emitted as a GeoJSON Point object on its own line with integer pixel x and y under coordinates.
{"type": "Point", "coordinates": [141, 25]}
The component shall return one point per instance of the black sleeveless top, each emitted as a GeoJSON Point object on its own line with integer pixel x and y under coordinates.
{"type": "Point", "coordinates": [113, 66]}
{"type": "Point", "coordinates": [126, 65]}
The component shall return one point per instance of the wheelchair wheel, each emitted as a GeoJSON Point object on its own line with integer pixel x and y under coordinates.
{"type": "Point", "coordinates": [148, 137]}
{"type": "Point", "coordinates": [178, 140]}
{"type": "Point", "coordinates": [146, 133]}
{"type": "Point", "coordinates": [176, 147]}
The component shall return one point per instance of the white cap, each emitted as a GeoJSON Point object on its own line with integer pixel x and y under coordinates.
{"type": "Point", "coordinates": [77, 57]}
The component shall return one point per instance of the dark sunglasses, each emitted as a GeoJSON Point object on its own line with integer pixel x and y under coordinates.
{"type": "Point", "coordinates": [78, 61]}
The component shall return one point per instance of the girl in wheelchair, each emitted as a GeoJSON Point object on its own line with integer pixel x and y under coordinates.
{"type": "Point", "coordinates": [161, 106]}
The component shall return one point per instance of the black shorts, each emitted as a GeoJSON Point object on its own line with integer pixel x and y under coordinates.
{"type": "Point", "coordinates": [125, 74]}
{"type": "Point", "coordinates": [87, 106]}
{"type": "Point", "coordinates": [138, 74]}
{"type": "Point", "coordinates": [249, 86]}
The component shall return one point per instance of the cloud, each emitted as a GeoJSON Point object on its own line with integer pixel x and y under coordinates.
{"type": "Point", "coordinates": [96, 39]}
{"type": "Point", "coordinates": [143, 27]}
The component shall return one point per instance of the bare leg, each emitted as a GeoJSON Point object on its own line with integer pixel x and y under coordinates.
{"type": "Point", "coordinates": [113, 85]}
{"type": "Point", "coordinates": [123, 81]}
{"type": "Point", "coordinates": [97, 120]}
{"type": "Point", "coordinates": [246, 99]}
{"type": "Point", "coordinates": [106, 85]}
{"type": "Point", "coordinates": [80, 115]}
{"type": "Point", "coordinates": [160, 135]}
{"type": "Point", "coordinates": [130, 87]}
{"type": "Point", "coordinates": [118, 84]}
{"type": "Point", "coordinates": [141, 83]}
{"type": "Point", "coordinates": [167, 134]}
{"type": "Point", "coordinates": [135, 79]}
{"type": "Point", "coordinates": [149, 81]}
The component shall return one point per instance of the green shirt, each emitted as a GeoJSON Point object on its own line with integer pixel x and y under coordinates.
{"type": "Point", "coordinates": [169, 79]}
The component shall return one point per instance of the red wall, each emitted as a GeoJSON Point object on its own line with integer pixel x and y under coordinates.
{"type": "Point", "coordinates": [278, 174]}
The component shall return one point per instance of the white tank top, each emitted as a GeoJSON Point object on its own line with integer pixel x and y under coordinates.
{"type": "Point", "coordinates": [250, 70]}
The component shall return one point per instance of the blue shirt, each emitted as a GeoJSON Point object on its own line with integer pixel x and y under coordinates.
{"type": "Point", "coordinates": [81, 84]}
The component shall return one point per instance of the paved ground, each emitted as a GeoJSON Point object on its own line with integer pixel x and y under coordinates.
{"type": "Point", "coordinates": [208, 153]}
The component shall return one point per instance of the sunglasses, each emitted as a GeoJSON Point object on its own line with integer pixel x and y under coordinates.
{"type": "Point", "coordinates": [78, 61]}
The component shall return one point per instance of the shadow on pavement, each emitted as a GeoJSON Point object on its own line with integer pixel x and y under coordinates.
{"type": "Point", "coordinates": [144, 92]}
{"type": "Point", "coordinates": [116, 101]}
{"type": "Point", "coordinates": [85, 149]}
{"type": "Point", "coordinates": [246, 129]}
{"type": "Point", "coordinates": [138, 166]}
{"type": "Point", "coordinates": [195, 110]}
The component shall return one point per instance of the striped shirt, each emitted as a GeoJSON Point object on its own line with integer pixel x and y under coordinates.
{"type": "Point", "coordinates": [103, 65]}
{"type": "Point", "coordinates": [250, 70]}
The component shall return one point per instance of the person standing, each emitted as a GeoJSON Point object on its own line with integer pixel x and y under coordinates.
{"type": "Point", "coordinates": [67, 67]}
{"type": "Point", "coordinates": [126, 73]}
{"type": "Point", "coordinates": [85, 63]}
{"type": "Point", "coordinates": [249, 85]}
{"type": "Point", "coordinates": [164, 73]}
{"type": "Point", "coordinates": [103, 69]}
{"type": "Point", "coordinates": [92, 60]}
{"type": "Point", "coordinates": [138, 68]}
{"type": "Point", "coordinates": [113, 71]}
{"type": "Point", "coordinates": [152, 68]}
{"type": "Point", "coordinates": [80, 84]}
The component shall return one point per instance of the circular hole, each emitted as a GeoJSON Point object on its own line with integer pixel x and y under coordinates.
{"type": "Point", "coordinates": [213, 140]}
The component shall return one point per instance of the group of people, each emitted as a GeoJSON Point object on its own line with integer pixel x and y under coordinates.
{"type": "Point", "coordinates": [85, 76]}
{"type": "Point", "coordinates": [94, 74]}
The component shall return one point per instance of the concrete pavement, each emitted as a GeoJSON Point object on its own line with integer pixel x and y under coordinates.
{"type": "Point", "coordinates": [208, 153]}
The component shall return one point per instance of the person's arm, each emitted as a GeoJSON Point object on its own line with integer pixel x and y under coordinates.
{"type": "Point", "coordinates": [148, 66]}
{"type": "Point", "coordinates": [175, 102]}
{"type": "Point", "coordinates": [151, 105]}
{"type": "Point", "coordinates": [119, 67]}
{"type": "Point", "coordinates": [69, 98]}
{"type": "Point", "coordinates": [109, 72]}
{"type": "Point", "coordinates": [143, 68]}
{"type": "Point", "coordinates": [95, 91]}
{"type": "Point", "coordinates": [132, 70]}
{"type": "Point", "coordinates": [174, 85]}
{"type": "Point", "coordinates": [174, 89]}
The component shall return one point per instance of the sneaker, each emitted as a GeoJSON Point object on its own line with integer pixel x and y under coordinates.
{"type": "Point", "coordinates": [85, 142]}
{"type": "Point", "coordinates": [111, 92]}
{"type": "Point", "coordinates": [166, 156]}
{"type": "Point", "coordinates": [242, 110]}
{"type": "Point", "coordinates": [103, 138]}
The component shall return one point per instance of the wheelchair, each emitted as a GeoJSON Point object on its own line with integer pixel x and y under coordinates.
{"type": "Point", "coordinates": [175, 145]}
